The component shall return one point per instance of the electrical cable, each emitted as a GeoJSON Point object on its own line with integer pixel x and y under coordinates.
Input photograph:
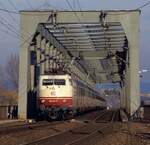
{"type": "Point", "coordinates": [5, 25]}
{"type": "Point", "coordinates": [12, 28]}
{"type": "Point", "coordinates": [78, 3]}
{"type": "Point", "coordinates": [80, 8]}
{"type": "Point", "coordinates": [144, 5]}
{"type": "Point", "coordinates": [74, 4]}
{"type": "Point", "coordinates": [9, 14]}
{"type": "Point", "coordinates": [73, 11]}
{"type": "Point", "coordinates": [12, 4]}
{"type": "Point", "coordinates": [9, 33]}
{"type": "Point", "coordinates": [16, 12]}
{"type": "Point", "coordinates": [47, 4]}
{"type": "Point", "coordinates": [138, 8]}
{"type": "Point", "coordinates": [78, 18]}
{"type": "Point", "coordinates": [28, 2]}
{"type": "Point", "coordinates": [10, 25]}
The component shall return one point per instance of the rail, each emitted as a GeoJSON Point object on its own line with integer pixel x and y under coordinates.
{"type": "Point", "coordinates": [18, 128]}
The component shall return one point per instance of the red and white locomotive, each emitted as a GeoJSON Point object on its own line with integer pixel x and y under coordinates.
{"type": "Point", "coordinates": [59, 94]}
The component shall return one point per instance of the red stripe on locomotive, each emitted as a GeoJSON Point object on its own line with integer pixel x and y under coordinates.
{"type": "Point", "coordinates": [56, 101]}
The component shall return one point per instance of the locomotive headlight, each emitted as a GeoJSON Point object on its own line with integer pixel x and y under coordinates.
{"type": "Point", "coordinates": [64, 100]}
{"type": "Point", "coordinates": [42, 101]}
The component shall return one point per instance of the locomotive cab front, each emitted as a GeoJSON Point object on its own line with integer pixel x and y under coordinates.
{"type": "Point", "coordinates": [55, 93]}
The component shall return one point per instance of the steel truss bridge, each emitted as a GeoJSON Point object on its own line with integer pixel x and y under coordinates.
{"type": "Point", "coordinates": [95, 46]}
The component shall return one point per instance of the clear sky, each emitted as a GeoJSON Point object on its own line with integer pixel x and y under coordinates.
{"type": "Point", "coordinates": [9, 23]}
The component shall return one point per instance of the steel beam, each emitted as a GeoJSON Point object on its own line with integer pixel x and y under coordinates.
{"type": "Point", "coordinates": [45, 33]}
{"type": "Point", "coordinates": [99, 54]}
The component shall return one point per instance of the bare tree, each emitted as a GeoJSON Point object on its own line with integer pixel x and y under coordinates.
{"type": "Point", "coordinates": [12, 70]}
{"type": "Point", "coordinates": [9, 81]}
{"type": "Point", "coordinates": [1, 77]}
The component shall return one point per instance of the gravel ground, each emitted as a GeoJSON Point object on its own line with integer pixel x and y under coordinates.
{"type": "Point", "coordinates": [30, 134]}
{"type": "Point", "coordinates": [123, 133]}
{"type": "Point", "coordinates": [11, 122]}
{"type": "Point", "coordinates": [34, 134]}
{"type": "Point", "coordinates": [90, 116]}
{"type": "Point", "coordinates": [130, 134]}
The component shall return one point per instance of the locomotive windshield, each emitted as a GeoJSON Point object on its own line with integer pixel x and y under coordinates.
{"type": "Point", "coordinates": [59, 82]}
{"type": "Point", "coordinates": [49, 82]}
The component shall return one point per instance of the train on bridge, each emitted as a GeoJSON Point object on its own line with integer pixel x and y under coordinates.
{"type": "Point", "coordinates": [60, 96]}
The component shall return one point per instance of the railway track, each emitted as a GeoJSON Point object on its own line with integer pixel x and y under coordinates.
{"type": "Point", "coordinates": [94, 130]}
{"type": "Point", "coordinates": [27, 126]}
{"type": "Point", "coordinates": [109, 116]}
{"type": "Point", "coordinates": [12, 128]}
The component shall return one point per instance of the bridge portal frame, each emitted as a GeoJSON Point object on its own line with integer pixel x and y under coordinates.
{"type": "Point", "coordinates": [130, 22]}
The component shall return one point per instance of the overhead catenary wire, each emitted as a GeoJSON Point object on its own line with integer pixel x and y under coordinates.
{"type": "Point", "coordinates": [80, 8]}
{"type": "Point", "coordinates": [144, 5]}
{"type": "Point", "coordinates": [11, 28]}
{"type": "Point", "coordinates": [79, 20]}
{"type": "Point", "coordinates": [138, 8]}
{"type": "Point", "coordinates": [9, 14]}
{"type": "Point", "coordinates": [16, 12]}
{"type": "Point", "coordinates": [14, 33]}
{"type": "Point", "coordinates": [12, 4]}
{"type": "Point", "coordinates": [9, 24]}
{"type": "Point", "coordinates": [74, 4]}
{"type": "Point", "coordinates": [30, 5]}
{"type": "Point", "coordinates": [73, 10]}
{"type": "Point", "coordinates": [79, 5]}
{"type": "Point", "coordinates": [9, 33]}
{"type": "Point", "coordinates": [47, 4]}
{"type": "Point", "coordinates": [7, 27]}
{"type": "Point", "coordinates": [9, 11]}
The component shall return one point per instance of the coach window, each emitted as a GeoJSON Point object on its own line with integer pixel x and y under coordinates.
{"type": "Point", "coordinates": [47, 82]}
{"type": "Point", "coordinates": [59, 82]}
